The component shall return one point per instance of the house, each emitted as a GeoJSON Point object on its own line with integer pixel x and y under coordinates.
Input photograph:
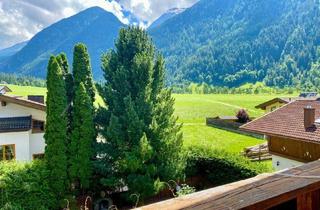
{"type": "Point", "coordinates": [22, 123]}
{"type": "Point", "coordinates": [273, 104]}
{"type": "Point", "coordinates": [294, 189]}
{"type": "Point", "coordinates": [4, 90]}
{"type": "Point", "coordinates": [292, 132]}
{"type": "Point", "coordinates": [276, 103]}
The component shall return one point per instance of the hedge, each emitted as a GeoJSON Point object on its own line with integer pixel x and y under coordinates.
{"type": "Point", "coordinates": [218, 167]}
{"type": "Point", "coordinates": [24, 186]}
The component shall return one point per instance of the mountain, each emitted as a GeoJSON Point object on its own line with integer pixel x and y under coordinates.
{"type": "Point", "coordinates": [7, 52]}
{"type": "Point", "coordinates": [231, 42]}
{"type": "Point", "coordinates": [95, 27]}
{"type": "Point", "coordinates": [166, 16]}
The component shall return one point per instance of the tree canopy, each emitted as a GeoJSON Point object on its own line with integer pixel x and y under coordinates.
{"type": "Point", "coordinates": [142, 145]}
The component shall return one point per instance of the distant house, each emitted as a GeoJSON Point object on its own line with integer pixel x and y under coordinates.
{"type": "Point", "coordinates": [292, 131]}
{"type": "Point", "coordinates": [4, 90]}
{"type": "Point", "coordinates": [273, 104]}
{"type": "Point", "coordinates": [276, 103]}
{"type": "Point", "coordinates": [22, 123]}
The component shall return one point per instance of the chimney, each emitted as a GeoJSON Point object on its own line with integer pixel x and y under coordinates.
{"type": "Point", "coordinates": [36, 98]}
{"type": "Point", "coordinates": [309, 116]}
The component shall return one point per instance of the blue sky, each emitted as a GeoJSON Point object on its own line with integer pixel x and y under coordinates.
{"type": "Point", "coordinates": [21, 19]}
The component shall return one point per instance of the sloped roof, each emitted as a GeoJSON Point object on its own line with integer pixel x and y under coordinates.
{"type": "Point", "coordinates": [23, 102]}
{"type": "Point", "coordinates": [13, 124]}
{"type": "Point", "coordinates": [287, 121]}
{"type": "Point", "coordinates": [272, 101]}
{"type": "Point", "coordinates": [5, 88]}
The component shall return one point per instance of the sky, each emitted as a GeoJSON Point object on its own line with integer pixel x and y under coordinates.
{"type": "Point", "coordinates": [21, 19]}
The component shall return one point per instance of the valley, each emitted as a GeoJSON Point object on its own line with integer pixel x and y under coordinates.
{"type": "Point", "coordinates": [192, 110]}
{"type": "Point", "coordinates": [107, 107]}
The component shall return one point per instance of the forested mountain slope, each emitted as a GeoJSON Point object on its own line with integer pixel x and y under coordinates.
{"type": "Point", "coordinates": [230, 42]}
{"type": "Point", "coordinates": [7, 52]}
{"type": "Point", "coordinates": [166, 16]}
{"type": "Point", "coordinates": [95, 27]}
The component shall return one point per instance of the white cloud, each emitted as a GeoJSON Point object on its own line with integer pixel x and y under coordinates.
{"type": "Point", "coordinates": [150, 10]}
{"type": "Point", "coordinates": [21, 19]}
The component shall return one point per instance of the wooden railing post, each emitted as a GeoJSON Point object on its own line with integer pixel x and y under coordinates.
{"type": "Point", "coordinates": [308, 201]}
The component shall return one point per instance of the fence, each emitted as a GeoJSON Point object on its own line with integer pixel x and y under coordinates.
{"type": "Point", "coordinates": [230, 125]}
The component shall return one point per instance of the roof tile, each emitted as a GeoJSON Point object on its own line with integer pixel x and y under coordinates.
{"type": "Point", "coordinates": [287, 121]}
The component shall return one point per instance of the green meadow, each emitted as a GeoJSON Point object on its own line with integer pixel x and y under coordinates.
{"type": "Point", "coordinates": [192, 109]}
{"type": "Point", "coordinates": [26, 90]}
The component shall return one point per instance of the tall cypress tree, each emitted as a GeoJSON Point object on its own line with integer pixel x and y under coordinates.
{"type": "Point", "coordinates": [64, 65]}
{"type": "Point", "coordinates": [82, 138]}
{"type": "Point", "coordinates": [82, 71]}
{"type": "Point", "coordinates": [83, 130]}
{"type": "Point", "coordinates": [56, 128]}
{"type": "Point", "coordinates": [143, 141]}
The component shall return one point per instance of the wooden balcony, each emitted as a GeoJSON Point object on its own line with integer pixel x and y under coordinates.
{"type": "Point", "coordinates": [294, 189]}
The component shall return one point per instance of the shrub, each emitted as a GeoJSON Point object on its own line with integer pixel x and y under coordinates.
{"type": "Point", "coordinates": [242, 116]}
{"type": "Point", "coordinates": [219, 167]}
{"type": "Point", "coordinates": [24, 186]}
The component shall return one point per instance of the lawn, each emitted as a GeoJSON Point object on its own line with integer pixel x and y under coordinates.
{"type": "Point", "coordinates": [195, 108]}
{"type": "Point", "coordinates": [192, 111]}
{"type": "Point", "coordinates": [26, 90]}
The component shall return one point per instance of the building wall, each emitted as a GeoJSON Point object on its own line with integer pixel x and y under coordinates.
{"type": "Point", "coordinates": [280, 163]}
{"type": "Point", "coordinates": [26, 143]}
{"type": "Point", "coordinates": [14, 110]}
{"type": "Point", "coordinates": [21, 142]}
{"type": "Point", "coordinates": [298, 150]}
{"type": "Point", "coordinates": [273, 107]}
{"type": "Point", "coordinates": [37, 144]}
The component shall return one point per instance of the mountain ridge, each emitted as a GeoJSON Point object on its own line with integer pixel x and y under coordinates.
{"type": "Point", "coordinates": [9, 51]}
{"type": "Point", "coordinates": [231, 42]}
{"type": "Point", "coordinates": [95, 27]}
{"type": "Point", "coordinates": [218, 42]}
{"type": "Point", "coordinates": [166, 16]}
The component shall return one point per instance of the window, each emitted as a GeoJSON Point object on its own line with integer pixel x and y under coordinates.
{"type": "Point", "coordinates": [273, 108]}
{"type": "Point", "coordinates": [38, 156]}
{"type": "Point", "coordinates": [37, 126]}
{"type": "Point", "coordinates": [7, 152]}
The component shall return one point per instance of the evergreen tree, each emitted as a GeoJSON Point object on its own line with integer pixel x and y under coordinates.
{"type": "Point", "coordinates": [143, 142]}
{"type": "Point", "coordinates": [63, 62]}
{"type": "Point", "coordinates": [56, 128]}
{"type": "Point", "coordinates": [82, 71]}
{"type": "Point", "coordinates": [81, 138]}
{"type": "Point", "coordinates": [83, 130]}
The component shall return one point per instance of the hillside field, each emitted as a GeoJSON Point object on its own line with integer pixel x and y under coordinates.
{"type": "Point", "coordinates": [192, 109]}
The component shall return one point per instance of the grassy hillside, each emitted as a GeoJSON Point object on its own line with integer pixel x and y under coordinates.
{"type": "Point", "coordinates": [192, 111]}
{"type": "Point", "coordinates": [26, 90]}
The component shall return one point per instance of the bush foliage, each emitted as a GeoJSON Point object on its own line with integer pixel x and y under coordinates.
{"type": "Point", "coordinates": [25, 186]}
{"type": "Point", "coordinates": [220, 167]}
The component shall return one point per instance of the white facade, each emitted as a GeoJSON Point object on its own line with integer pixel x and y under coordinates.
{"type": "Point", "coordinates": [26, 143]}
{"type": "Point", "coordinates": [280, 163]}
